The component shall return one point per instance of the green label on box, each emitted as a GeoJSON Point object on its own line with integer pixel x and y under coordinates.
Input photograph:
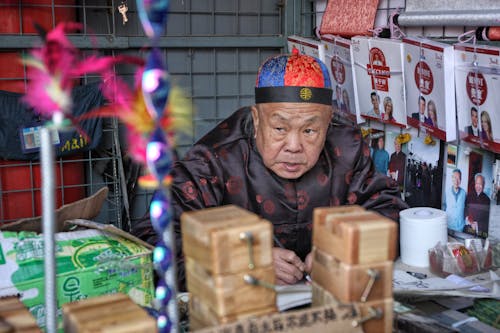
{"type": "Point", "coordinates": [2, 257]}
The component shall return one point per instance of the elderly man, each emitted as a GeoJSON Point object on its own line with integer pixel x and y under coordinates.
{"type": "Point", "coordinates": [281, 158]}
{"type": "Point", "coordinates": [477, 209]}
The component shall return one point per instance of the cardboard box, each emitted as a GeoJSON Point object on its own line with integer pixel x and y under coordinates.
{"type": "Point", "coordinates": [429, 73]}
{"type": "Point", "coordinates": [89, 263]}
{"type": "Point", "coordinates": [212, 237]}
{"type": "Point", "coordinates": [348, 282]}
{"type": "Point", "coordinates": [363, 238]}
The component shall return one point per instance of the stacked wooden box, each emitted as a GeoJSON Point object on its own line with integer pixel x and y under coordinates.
{"type": "Point", "coordinates": [113, 313]}
{"type": "Point", "coordinates": [353, 258]}
{"type": "Point", "coordinates": [15, 317]}
{"type": "Point", "coordinates": [224, 247]}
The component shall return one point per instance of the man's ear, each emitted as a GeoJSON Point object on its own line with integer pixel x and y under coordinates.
{"type": "Point", "coordinates": [255, 117]}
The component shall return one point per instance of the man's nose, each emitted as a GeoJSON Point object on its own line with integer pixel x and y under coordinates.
{"type": "Point", "coordinates": [294, 142]}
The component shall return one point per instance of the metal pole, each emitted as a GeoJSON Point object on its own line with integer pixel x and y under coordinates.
{"type": "Point", "coordinates": [48, 221]}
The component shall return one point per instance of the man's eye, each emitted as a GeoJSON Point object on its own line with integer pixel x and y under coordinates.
{"type": "Point", "coordinates": [309, 131]}
{"type": "Point", "coordinates": [279, 129]}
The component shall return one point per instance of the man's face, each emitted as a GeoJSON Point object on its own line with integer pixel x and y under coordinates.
{"type": "Point", "coordinates": [421, 106]}
{"type": "Point", "coordinates": [479, 184]}
{"type": "Point", "coordinates": [380, 143]}
{"type": "Point", "coordinates": [455, 180]}
{"type": "Point", "coordinates": [375, 102]}
{"type": "Point", "coordinates": [474, 119]}
{"type": "Point", "coordinates": [397, 146]}
{"type": "Point", "coordinates": [290, 136]}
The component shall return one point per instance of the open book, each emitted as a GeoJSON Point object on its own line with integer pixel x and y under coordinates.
{"type": "Point", "coordinates": [291, 296]}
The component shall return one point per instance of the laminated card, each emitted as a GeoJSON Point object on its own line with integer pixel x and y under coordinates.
{"type": "Point", "coordinates": [430, 87]}
{"type": "Point", "coordinates": [338, 61]}
{"type": "Point", "coordinates": [477, 81]}
{"type": "Point", "coordinates": [378, 79]}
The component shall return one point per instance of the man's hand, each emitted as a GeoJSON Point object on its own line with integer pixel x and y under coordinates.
{"type": "Point", "coordinates": [288, 267]}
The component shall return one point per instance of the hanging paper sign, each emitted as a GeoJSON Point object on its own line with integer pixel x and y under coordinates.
{"type": "Point", "coordinates": [430, 87]}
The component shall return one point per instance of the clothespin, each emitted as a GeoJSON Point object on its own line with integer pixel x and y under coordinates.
{"type": "Point", "coordinates": [122, 9]}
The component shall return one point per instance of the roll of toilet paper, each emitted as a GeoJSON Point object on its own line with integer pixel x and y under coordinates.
{"type": "Point", "coordinates": [420, 229]}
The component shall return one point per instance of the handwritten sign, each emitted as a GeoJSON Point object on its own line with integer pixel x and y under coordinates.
{"type": "Point", "coordinates": [325, 319]}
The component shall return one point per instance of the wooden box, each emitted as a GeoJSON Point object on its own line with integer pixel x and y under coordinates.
{"type": "Point", "coordinates": [347, 282]}
{"type": "Point", "coordinates": [322, 297]}
{"type": "Point", "coordinates": [111, 313]}
{"type": "Point", "coordinates": [15, 317]}
{"type": "Point", "coordinates": [320, 213]}
{"type": "Point", "coordinates": [202, 316]}
{"type": "Point", "coordinates": [380, 325]}
{"type": "Point", "coordinates": [212, 237]}
{"type": "Point", "coordinates": [362, 238]}
{"type": "Point", "coordinates": [229, 294]}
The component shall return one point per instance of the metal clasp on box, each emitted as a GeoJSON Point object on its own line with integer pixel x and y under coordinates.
{"type": "Point", "coordinates": [373, 313]}
{"type": "Point", "coordinates": [374, 276]}
{"type": "Point", "coordinates": [248, 236]}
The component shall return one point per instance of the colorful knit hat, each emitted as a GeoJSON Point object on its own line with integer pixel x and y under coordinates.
{"type": "Point", "coordinates": [295, 78]}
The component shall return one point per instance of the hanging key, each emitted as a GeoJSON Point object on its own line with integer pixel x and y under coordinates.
{"type": "Point", "coordinates": [123, 9]}
{"type": "Point", "coordinates": [374, 275]}
{"type": "Point", "coordinates": [372, 314]}
{"type": "Point", "coordinates": [249, 238]}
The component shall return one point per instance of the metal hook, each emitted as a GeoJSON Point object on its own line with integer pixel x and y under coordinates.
{"type": "Point", "coordinates": [372, 314]}
{"type": "Point", "coordinates": [248, 236]}
{"type": "Point", "coordinates": [256, 282]}
{"type": "Point", "coordinates": [374, 275]}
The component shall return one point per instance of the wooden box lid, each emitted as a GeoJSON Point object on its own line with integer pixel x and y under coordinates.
{"type": "Point", "coordinates": [348, 282]}
{"type": "Point", "coordinates": [361, 238]}
{"type": "Point", "coordinates": [213, 237]}
{"type": "Point", "coordinates": [229, 294]}
{"type": "Point", "coordinates": [15, 317]}
{"type": "Point", "coordinates": [106, 314]}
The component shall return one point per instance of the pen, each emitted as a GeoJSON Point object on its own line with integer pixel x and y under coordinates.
{"type": "Point", "coordinates": [418, 275]}
{"type": "Point", "coordinates": [277, 241]}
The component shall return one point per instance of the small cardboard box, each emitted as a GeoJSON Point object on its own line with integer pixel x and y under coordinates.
{"type": "Point", "coordinates": [89, 262]}
{"type": "Point", "coordinates": [363, 238]}
{"type": "Point", "coordinates": [348, 282]}
{"type": "Point", "coordinates": [229, 294]}
{"type": "Point", "coordinates": [107, 314]}
{"type": "Point", "coordinates": [213, 238]}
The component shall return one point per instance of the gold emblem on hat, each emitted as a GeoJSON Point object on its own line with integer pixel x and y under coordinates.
{"type": "Point", "coordinates": [305, 94]}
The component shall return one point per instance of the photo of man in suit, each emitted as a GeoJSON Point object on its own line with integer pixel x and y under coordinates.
{"type": "Point", "coordinates": [474, 119]}
{"type": "Point", "coordinates": [420, 115]}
